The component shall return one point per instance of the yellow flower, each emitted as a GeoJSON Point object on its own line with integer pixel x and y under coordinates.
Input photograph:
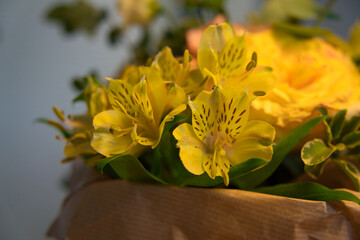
{"type": "Point", "coordinates": [221, 135]}
{"type": "Point", "coordinates": [78, 136]}
{"type": "Point", "coordinates": [310, 73]}
{"type": "Point", "coordinates": [138, 11]}
{"type": "Point", "coordinates": [190, 79]}
{"type": "Point", "coordinates": [223, 57]}
{"type": "Point", "coordinates": [95, 97]}
{"type": "Point", "coordinates": [138, 116]}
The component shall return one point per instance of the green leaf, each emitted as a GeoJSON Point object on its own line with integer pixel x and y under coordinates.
{"type": "Point", "coordinates": [316, 170]}
{"type": "Point", "coordinates": [351, 125]}
{"type": "Point", "coordinates": [323, 112]}
{"type": "Point", "coordinates": [168, 154]}
{"type": "Point", "coordinates": [329, 136]}
{"type": "Point", "coordinates": [352, 139]}
{"type": "Point", "coordinates": [351, 171]}
{"type": "Point", "coordinates": [235, 171]}
{"type": "Point", "coordinates": [337, 123]}
{"type": "Point", "coordinates": [281, 149]}
{"type": "Point", "coordinates": [164, 151]}
{"type": "Point", "coordinates": [308, 191]}
{"type": "Point", "coordinates": [127, 167]}
{"type": "Point", "coordinates": [315, 151]}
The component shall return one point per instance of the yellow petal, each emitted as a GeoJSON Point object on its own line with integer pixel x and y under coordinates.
{"type": "Point", "coordinates": [98, 102]}
{"type": "Point", "coordinates": [143, 136]}
{"type": "Point", "coordinates": [131, 74]}
{"type": "Point", "coordinates": [192, 150]}
{"type": "Point", "coordinates": [232, 58]}
{"type": "Point", "coordinates": [112, 119]}
{"type": "Point", "coordinates": [211, 44]}
{"type": "Point", "coordinates": [233, 113]}
{"type": "Point", "coordinates": [164, 96]}
{"type": "Point", "coordinates": [169, 67]}
{"type": "Point", "coordinates": [120, 96]}
{"type": "Point", "coordinates": [175, 99]}
{"type": "Point", "coordinates": [217, 164]}
{"type": "Point", "coordinates": [168, 118]}
{"type": "Point", "coordinates": [193, 83]}
{"type": "Point", "coordinates": [254, 142]}
{"type": "Point", "coordinates": [108, 145]}
{"type": "Point", "coordinates": [258, 83]}
{"type": "Point", "coordinates": [203, 116]}
{"type": "Point", "coordinates": [186, 59]}
{"type": "Point", "coordinates": [144, 106]}
{"type": "Point", "coordinates": [78, 145]}
{"type": "Point", "coordinates": [157, 92]}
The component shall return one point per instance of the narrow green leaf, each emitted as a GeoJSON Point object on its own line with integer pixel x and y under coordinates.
{"type": "Point", "coordinates": [351, 171]}
{"type": "Point", "coordinates": [170, 160]}
{"type": "Point", "coordinates": [352, 125]}
{"type": "Point", "coordinates": [329, 135]}
{"type": "Point", "coordinates": [235, 171]}
{"type": "Point", "coordinates": [100, 167]}
{"type": "Point", "coordinates": [323, 112]}
{"type": "Point", "coordinates": [315, 151]}
{"type": "Point", "coordinates": [127, 167]}
{"type": "Point", "coordinates": [165, 155]}
{"type": "Point", "coordinates": [337, 123]}
{"type": "Point", "coordinates": [308, 191]}
{"type": "Point", "coordinates": [352, 139]}
{"type": "Point", "coordinates": [281, 149]}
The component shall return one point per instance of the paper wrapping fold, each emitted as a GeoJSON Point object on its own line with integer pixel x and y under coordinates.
{"type": "Point", "coordinates": [100, 208]}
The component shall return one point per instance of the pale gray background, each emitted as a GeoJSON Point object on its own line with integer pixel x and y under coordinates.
{"type": "Point", "coordinates": [36, 65]}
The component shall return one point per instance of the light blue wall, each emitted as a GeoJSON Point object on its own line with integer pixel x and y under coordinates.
{"type": "Point", "coordinates": [36, 64]}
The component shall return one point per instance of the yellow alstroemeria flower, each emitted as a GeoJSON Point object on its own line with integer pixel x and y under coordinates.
{"type": "Point", "coordinates": [138, 116]}
{"type": "Point", "coordinates": [182, 74]}
{"type": "Point", "coordinates": [221, 135]}
{"type": "Point", "coordinates": [78, 128]}
{"type": "Point", "coordinates": [78, 143]}
{"type": "Point", "coordinates": [223, 57]}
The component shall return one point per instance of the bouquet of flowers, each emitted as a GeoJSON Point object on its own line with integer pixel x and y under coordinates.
{"type": "Point", "coordinates": [250, 108]}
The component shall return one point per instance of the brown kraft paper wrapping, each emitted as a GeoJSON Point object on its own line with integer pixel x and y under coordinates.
{"type": "Point", "coordinates": [100, 208]}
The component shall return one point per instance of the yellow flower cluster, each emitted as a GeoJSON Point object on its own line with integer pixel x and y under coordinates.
{"type": "Point", "coordinates": [145, 98]}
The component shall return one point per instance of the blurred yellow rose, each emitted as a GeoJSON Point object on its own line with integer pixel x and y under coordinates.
{"type": "Point", "coordinates": [137, 11]}
{"type": "Point", "coordinates": [310, 73]}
